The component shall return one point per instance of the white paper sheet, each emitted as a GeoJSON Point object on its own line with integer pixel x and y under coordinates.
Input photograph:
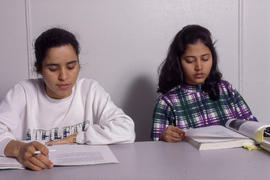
{"type": "Point", "coordinates": [70, 155]}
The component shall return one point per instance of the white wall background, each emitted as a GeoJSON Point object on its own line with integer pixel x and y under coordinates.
{"type": "Point", "coordinates": [13, 44]}
{"type": "Point", "coordinates": [124, 41]}
{"type": "Point", "coordinates": [256, 57]}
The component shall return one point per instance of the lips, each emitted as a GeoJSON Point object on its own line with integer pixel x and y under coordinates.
{"type": "Point", "coordinates": [199, 75]}
{"type": "Point", "coordinates": [63, 86]}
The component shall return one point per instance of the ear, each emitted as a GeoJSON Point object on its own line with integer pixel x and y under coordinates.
{"type": "Point", "coordinates": [36, 66]}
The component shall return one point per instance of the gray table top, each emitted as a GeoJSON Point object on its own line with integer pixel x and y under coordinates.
{"type": "Point", "coordinates": [160, 160]}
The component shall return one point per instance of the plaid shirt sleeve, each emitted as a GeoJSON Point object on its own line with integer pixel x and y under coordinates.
{"type": "Point", "coordinates": [241, 108]}
{"type": "Point", "coordinates": [161, 118]}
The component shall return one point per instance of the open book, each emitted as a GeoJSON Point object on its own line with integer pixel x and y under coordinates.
{"type": "Point", "coordinates": [236, 133]}
{"type": "Point", "coordinates": [69, 155]}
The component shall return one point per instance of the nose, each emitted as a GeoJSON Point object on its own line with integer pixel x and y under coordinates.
{"type": "Point", "coordinates": [62, 75]}
{"type": "Point", "coordinates": [198, 65]}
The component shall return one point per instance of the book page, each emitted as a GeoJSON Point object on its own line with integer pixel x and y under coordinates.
{"type": "Point", "coordinates": [251, 129]}
{"type": "Point", "coordinates": [216, 137]}
{"type": "Point", "coordinates": [9, 163]}
{"type": "Point", "coordinates": [70, 155]}
{"type": "Point", "coordinates": [216, 132]}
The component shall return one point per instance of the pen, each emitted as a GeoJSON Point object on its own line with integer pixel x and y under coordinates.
{"type": "Point", "coordinates": [50, 150]}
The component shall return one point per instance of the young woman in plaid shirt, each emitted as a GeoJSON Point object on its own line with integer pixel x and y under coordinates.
{"type": "Point", "coordinates": [193, 92]}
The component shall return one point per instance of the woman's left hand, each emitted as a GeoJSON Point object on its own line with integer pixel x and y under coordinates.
{"type": "Point", "coordinates": [68, 140]}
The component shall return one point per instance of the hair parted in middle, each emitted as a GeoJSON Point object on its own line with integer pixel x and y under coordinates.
{"type": "Point", "coordinates": [171, 72]}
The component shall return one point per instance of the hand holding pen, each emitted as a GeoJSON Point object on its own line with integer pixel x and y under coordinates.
{"type": "Point", "coordinates": [26, 154]}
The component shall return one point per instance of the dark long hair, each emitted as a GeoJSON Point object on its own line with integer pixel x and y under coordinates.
{"type": "Point", "coordinates": [171, 72]}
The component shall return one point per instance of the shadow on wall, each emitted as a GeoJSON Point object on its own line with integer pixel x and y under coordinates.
{"type": "Point", "coordinates": [139, 105]}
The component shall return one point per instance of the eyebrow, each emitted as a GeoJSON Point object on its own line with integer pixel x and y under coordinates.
{"type": "Point", "coordinates": [189, 56]}
{"type": "Point", "coordinates": [205, 54]}
{"type": "Point", "coordinates": [53, 64]}
{"type": "Point", "coordinates": [72, 62]}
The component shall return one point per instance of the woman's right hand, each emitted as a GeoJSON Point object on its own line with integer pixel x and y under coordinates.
{"type": "Point", "coordinates": [172, 134]}
{"type": "Point", "coordinates": [25, 154]}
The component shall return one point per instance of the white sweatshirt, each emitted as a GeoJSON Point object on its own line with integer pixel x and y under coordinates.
{"type": "Point", "coordinates": [28, 113]}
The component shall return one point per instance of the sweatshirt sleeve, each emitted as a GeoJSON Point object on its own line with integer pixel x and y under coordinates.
{"type": "Point", "coordinates": [11, 111]}
{"type": "Point", "coordinates": [108, 123]}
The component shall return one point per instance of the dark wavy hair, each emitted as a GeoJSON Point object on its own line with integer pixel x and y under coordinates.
{"type": "Point", "coordinates": [54, 37]}
{"type": "Point", "coordinates": [170, 71]}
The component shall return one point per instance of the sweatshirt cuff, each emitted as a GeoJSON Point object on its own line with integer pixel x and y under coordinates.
{"type": "Point", "coordinates": [80, 138]}
{"type": "Point", "coordinates": [3, 145]}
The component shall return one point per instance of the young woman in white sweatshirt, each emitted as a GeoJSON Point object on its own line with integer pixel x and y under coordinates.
{"type": "Point", "coordinates": [58, 108]}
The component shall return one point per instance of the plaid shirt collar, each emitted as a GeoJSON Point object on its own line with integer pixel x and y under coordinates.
{"type": "Point", "coordinates": [188, 89]}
